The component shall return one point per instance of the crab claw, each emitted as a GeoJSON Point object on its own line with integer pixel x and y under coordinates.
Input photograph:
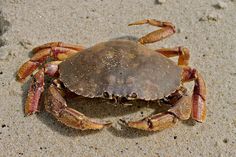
{"type": "Point", "coordinates": [156, 122]}
{"type": "Point", "coordinates": [56, 105]}
{"type": "Point", "coordinates": [181, 110]}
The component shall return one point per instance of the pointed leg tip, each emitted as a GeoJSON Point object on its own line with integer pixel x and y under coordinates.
{"type": "Point", "coordinates": [20, 79]}
{"type": "Point", "coordinates": [199, 110]}
{"type": "Point", "coordinates": [30, 112]}
{"type": "Point", "coordinates": [201, 119]}
{"type": "Point", "coordinates": [30, 109]}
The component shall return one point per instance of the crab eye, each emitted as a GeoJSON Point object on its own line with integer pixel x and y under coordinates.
{"type": "Point", "coordinates": [105, 94]}
{"type": "Point", "coordinates": [123, 99]}
{"type": "Point", "coordinates": [133, 95]}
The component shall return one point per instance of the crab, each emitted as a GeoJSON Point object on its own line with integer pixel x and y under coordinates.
{"type": "Point", "coordinates": [116, 69]}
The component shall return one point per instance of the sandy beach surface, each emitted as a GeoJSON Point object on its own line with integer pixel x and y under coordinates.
{"type": "Point", "coordinates": [206, 27]}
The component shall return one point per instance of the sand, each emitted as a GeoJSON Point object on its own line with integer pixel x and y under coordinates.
{"type": "Point", "coordinates": [207, 28]}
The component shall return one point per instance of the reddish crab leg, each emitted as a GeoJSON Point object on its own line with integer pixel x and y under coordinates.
{"type": "Point", "coordinates": [45, 51]}
{"type": "Point", "coordinates": [167, 29]}
{"type": "Point", "coordinates": [56, 105]}
{"type": "Point", "coordinates": [58, 44]}
{"type": "Point", "coordinates": [199, 93]}
{"type": "Point", "coordinates": [37, 87]}
{"type": "Point", "coordinates": [55, 50]}
{"type": "Point", "coordinates": [182, 52]}
{"type": "Point", "coordinates": [34, 93]}
{"type": "Point", "coordinates": [26, 69]}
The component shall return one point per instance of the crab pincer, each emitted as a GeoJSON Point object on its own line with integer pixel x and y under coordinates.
{"type": "Point", "coordinates": [56, 105]}
{"type": "Point", "coordinates": [180, 110]}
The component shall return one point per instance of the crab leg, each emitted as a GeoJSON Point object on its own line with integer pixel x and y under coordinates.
{"type": "Point", "coordinates": [180, 110]}
{"type": "Point", "coordinates": [182, 52]}
{"type": "Point", "coordinates": [199, 93]}
{"type": "Point", "coordinates": [57, 50]}
{"type": "Point", "coordinates": [34, 93]}
{"type": "Point", "coordinates": [58, 44]}
{"type": "Point", "coordinates": [56, 105]}
{"type": "Point", "coordinates": [37, 86]}
{"type": "Point", "coordinates": [167, 29]}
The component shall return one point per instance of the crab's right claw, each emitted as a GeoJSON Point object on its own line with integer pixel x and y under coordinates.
{"type": "Point", "coordinates": [181, 110]}
{"type": "Point", "coordinates": [56, 105]}
{"type": "Point", "coordinates": [156, 122]}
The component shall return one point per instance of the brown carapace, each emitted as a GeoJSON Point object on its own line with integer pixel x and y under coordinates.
{"type": "Point", "coordinates": [112, 70]}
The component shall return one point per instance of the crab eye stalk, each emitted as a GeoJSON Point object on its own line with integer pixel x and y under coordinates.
{"type": "Point", "coordinates": [105, 94]}
{"type": "Point", "coordinates": [133, 95]}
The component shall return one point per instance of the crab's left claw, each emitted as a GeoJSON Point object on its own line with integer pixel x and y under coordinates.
{"type": "Point", "coordinates": [181, 110]}
{"type": "Point", "coordinates": [56, 105]}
